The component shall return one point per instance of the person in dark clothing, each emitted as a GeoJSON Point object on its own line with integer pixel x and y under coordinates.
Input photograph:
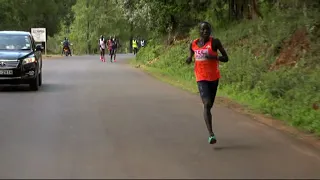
{"type": "Point", "coordinates": [114, 48]}
{"type": "Point", "coordinates": [66, 44]}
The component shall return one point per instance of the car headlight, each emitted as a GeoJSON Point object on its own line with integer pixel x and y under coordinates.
{"type": "Point", "coordinates": [28, 60]}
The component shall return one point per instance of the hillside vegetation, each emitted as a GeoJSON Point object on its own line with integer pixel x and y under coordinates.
{"type": "Point", "coordinates": [273, 67]}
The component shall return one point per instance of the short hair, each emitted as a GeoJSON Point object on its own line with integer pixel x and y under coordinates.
{"type": "Point", "coordinates": [205, 22]}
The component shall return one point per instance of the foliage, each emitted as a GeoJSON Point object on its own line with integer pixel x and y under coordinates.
{"type": "Point", "coordinates": [26, 14]}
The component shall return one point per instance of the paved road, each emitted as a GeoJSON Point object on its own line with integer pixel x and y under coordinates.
{"type": "Point", "coordinates": [101, 120]}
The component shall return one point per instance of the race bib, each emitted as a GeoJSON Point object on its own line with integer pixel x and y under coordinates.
{"type": "Point", "coordinates": [201, 54]}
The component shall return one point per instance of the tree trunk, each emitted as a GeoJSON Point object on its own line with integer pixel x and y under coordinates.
{"type": "Point", "coordinates": [254, 10]}
{"type": "Point", "coordinates": [231, 5]}
{"type": "Point", "coordinates": [171, 28]}
{"type": "Point", "coordinates": [131, 38]}
{"type": "Point", "coordinates": [88, 28]}
{"type": "Point", "coordinates": [240, 9]}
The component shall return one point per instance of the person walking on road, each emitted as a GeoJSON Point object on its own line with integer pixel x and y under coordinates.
{"type": "Point", "coordinates": [205, 52]}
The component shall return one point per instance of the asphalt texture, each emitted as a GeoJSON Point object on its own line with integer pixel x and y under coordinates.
{"type": "Point", "coordinates": [108, 120]}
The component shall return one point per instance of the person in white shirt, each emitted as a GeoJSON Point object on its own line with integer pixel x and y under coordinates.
{"type": "Point", "coordinates": [142, 43]}
{"type": "Point", "coordinates": [102, 45]}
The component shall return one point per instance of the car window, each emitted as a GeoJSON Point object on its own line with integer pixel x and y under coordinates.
{"type": "Point", "coordinates": [15, 42]}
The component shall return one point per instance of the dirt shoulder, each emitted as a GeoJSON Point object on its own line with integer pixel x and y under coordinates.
{"type": "Point", "coordinates": [269, 121]}
{"type": "Point", "coordinates": [51, 56]}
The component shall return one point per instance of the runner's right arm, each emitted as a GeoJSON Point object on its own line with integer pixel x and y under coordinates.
{"type": "Point", "coordinates": [189, 59]}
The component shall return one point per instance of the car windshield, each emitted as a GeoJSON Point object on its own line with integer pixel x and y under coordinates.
{"type": "Point", "coordinates": [14, 42]}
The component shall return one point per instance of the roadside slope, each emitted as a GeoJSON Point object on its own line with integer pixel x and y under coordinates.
{"type": "Point", "coordinates": [273, 68]}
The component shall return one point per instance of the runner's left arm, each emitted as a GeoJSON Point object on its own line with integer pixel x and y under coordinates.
{"type": "Point", "coordinates": [219, 46]}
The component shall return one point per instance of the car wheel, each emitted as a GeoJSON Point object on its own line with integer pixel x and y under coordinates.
{"type": "Point", "coordinates": [40, 79]}
{"type": "Point", "coordinates": [34, 84]}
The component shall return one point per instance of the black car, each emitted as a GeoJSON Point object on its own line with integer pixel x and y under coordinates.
{"type": "Point", "coordinates": [20, 59]}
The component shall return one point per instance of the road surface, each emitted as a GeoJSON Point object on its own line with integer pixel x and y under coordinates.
{"type": "Point", "coordinates": [101, 120]}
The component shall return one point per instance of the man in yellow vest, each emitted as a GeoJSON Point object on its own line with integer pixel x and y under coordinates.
{"type": "Point", "coordinates": [134, 46]}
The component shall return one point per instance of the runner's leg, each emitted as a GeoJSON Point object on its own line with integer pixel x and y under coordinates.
{"type": "Point", "coordinates": [204, 91]}
{"type": "Point", "coordinates": [115, 54]}
{"type": "Point", "coordinates": [103, 54]}
{"type": "Point", "coordinates": [208, 90]}
{"type": "Point", "coordinates": [100, 53]}
{"type": "Point", "coordinates": [111, 55]}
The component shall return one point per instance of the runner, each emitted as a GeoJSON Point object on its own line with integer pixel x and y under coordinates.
{"type": "Point", "coordinates": [205, 51]}
{"type": "Point", "coordinates": [102, 45]}
{"type": "Point", "coordinates": [134, 46]}
{"type": "Point", "coordinates": [110, 45]}
{"type": "Point", "coordinates": [114, 49]}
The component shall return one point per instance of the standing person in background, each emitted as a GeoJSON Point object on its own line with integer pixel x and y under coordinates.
{"type": "Point", "coordinates": [205, 51]}
{"type": "Point", "coordinates": [142, 43]}
{"type": "Point", "coordinates": [134, 46]}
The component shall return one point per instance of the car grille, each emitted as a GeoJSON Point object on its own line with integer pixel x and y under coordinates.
{"type": "Point", "coordinates": [9, 63]}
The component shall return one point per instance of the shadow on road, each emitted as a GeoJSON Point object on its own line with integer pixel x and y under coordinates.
{"type": "Point", "coordinates": [233, 147]}
{"type": "Point", "coordinates": [26, 89]}
{"type": "Point", "coordinates": [15, 88]}
{"type": "Point", "coordinates": [54, 87]}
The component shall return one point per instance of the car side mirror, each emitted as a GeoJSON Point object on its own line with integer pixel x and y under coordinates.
{"type": "Point", "coordinates": [39, 47]}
